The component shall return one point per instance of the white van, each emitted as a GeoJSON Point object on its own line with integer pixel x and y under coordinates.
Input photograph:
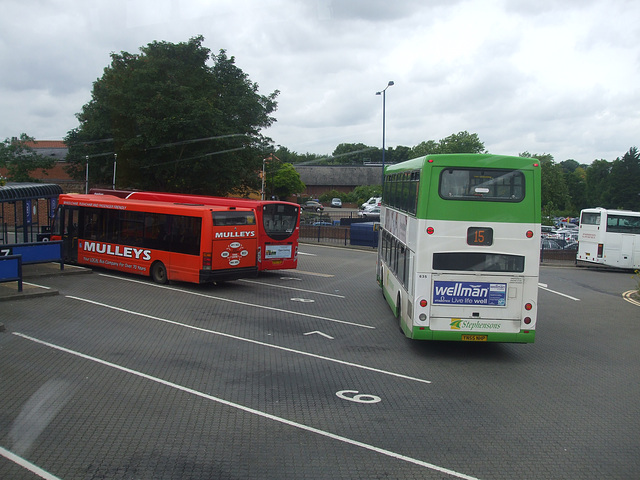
{"type": "Point", "coordinates": [371, 203]}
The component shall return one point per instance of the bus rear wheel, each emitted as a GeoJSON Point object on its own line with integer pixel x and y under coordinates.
{"type": "Point", "coordinates": [399, 312]}
{"type": "Point", "coordinates": [159, 273]}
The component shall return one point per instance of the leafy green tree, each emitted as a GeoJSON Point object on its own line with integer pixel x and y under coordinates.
{"type": "Point", "coordinates": [20, 159]}
{"type": "Point", "coordinates": [462, 142]}
{"type": "Point", "coordinates": [287, 156]}
{"type": "Point", "coordinates": [625, 176]}
{"type": "Point", "coordinates": [555, 194]}
{"type": "Point", "coordinates": [283, 181]}
{"type": "Point", "coordinates": [363, 193]}
{"type": "Point", "coordinates": [598, 190]}
{"type": "Point", "coordinates": [330, 195]}
{"type": "Point", "coordinates": [429, 147]}
{"type": "Point", "coordinates": [354, 154]}
{"type": "Point", "coordinates": [398, 154]}
{"type": "Point", "coordinates": [175, 121]}
{"type": "Point", "coordinates": [577, 186]}
{"type": "Point", "coordinates": [575, 179]}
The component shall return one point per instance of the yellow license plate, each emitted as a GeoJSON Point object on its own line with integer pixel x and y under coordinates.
{"type": "Point", "coordinates": [474, 338]}
{"type": "Point", "coordinates": [277, 262]}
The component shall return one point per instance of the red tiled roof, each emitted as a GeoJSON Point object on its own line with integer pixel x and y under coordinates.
{"type": "Point", "coordinates": [47, 144]}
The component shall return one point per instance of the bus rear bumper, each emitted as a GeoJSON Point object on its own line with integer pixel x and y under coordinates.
{"type": "Point", "coordinates": [210, 276]}
{"type": "Point", "coordinates": [425, 333]}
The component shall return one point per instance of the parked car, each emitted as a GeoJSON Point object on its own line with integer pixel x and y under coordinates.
{"type": "Point", "coordinates": [312, 205]}
{"type": "Point", "coordinates": [336, 202]}
{"type": "Point", "coordinates": [547, 230]}
{"type": "Point", "coordinates": [372, 202]}
{"type": "Point", "coordinates": [372, 213]}
{"type": "Point", "coordinates": [550, 244]}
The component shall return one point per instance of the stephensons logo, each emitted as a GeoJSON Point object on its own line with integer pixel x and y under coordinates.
{"type": "Point", "coordinates": [117, 250]}
{"type": "Point", "coordinates": [473, 325]}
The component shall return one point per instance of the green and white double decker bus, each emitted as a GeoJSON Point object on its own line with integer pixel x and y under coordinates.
{"type": "Point", "coordinates": [459, 253]}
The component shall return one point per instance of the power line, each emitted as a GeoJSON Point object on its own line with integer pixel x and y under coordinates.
{"type": "Point", "coordinates": [194, 158]}
{"type": "Point", "coordinates": [185, 142]}
{"type": "Point", "coordinates": [316, 160]}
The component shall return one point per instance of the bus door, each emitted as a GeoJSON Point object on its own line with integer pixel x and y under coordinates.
{"type": "Point", "coordinates": [626, 251]}
{"type": "Point", "coordinates": [70, 221]}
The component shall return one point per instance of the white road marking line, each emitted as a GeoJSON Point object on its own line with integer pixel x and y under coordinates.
{"type": "Point", "coordinates": [27, 465]}
{"type": "Point", "coordinates": [253, 411]}
{"type": "Point", "coordinates": [544, 287]}
{"type": "Point", "coordinates": [237, 302]}
{"type": "Point", "coordinates": [36, 285]}
{"type": "Point", "coordinates": [291, 288]}
{"type": "Point", "coordinates": [255, 342]}
{"type": "Point", "coordinates": [315, 274]}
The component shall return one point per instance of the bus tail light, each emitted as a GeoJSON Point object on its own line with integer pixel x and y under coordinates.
{"type": "Point", "coordinates": [527, 320]}
{"type": "Point", "coordinates": [600, 250]}
{"type": "Point", "coordinates": [528, 306]}
{"type": "Point", "coordinates": [529, 233]}
{"type": "Point", "coordinates": [206, 261]}
{"type": "Point", "coordinates": [423, 303]}
{"type": "Point", "coordinates": [430, 230]}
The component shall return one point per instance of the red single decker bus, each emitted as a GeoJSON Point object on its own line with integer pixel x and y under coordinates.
{"type": "Point", "coordinates": [278, 222]}
{"type": "Point", "coordinates": [166, 241]}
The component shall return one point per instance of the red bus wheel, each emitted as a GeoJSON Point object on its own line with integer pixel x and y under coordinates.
{"type": "Point", "coordinates": [159, 273]}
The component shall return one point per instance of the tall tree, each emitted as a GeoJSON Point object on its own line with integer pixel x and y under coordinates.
{"type": "Point", "coordinates": [555, 195]}
{"type": "Point", "coordinates": [398, 154]}
{"type": "Point", "coordinates": [20, 159]}
{"type": "Point", "coordinates": [577, 186]}
{"type": "Point", "coordinates": [283, 181]}
{"type": "Point", "coordinates": [462, 142]}
{"type": "Point", "coordinates": [354, 154]}
{"type": "Point", "coordinates": [598, 189]}
{"type": "Point", "coordinates": [625, 175]}
{"type": "Point", "coordinates": [175, 122]}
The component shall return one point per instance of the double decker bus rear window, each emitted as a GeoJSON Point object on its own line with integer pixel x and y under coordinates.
{"type": "Point", "coordinates": [478, 262]}
{"type": "Point", "coordinates": [494, 185]}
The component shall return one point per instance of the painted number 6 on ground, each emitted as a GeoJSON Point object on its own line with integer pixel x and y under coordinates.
{"type": "Point", "coordinates": [355, 396]}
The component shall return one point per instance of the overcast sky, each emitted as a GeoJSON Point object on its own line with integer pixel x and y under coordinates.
{"type": "Point", "coordinates": [544, 76]}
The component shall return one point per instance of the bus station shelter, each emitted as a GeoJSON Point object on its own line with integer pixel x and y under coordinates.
{"type": "Point", "coordinates": [26, 211]}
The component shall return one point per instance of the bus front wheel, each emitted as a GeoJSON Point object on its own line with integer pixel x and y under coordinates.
{"type": "Point", "coordinates": [159, 273]}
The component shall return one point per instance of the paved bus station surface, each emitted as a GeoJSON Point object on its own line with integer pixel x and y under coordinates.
{"type": "Point", "coordinates": [304, 374]}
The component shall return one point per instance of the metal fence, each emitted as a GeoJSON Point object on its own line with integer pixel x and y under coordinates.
{"type": "Point", "coordinates": [334, 228]}
{"type": "Point", "coordinates": [331, 228]}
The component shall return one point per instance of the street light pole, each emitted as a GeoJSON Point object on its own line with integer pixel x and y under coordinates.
{"type": "Point", "coordinates": [383, 93]}
{"type": "Point", "coordinates": [264, 173]}
{"type": "Point", "coordinates": [115, 163]}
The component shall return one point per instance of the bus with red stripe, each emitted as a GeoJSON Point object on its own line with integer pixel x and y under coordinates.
{"type": "Point", "coordinates": [166, 241]}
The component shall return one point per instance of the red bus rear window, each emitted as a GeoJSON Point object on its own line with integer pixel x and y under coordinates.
{"type": "Point", "coordinates": [231, 217]}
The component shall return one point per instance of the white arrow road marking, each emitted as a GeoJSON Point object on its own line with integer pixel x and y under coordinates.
{"type": "Point", "coordinates": [319, 333]}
